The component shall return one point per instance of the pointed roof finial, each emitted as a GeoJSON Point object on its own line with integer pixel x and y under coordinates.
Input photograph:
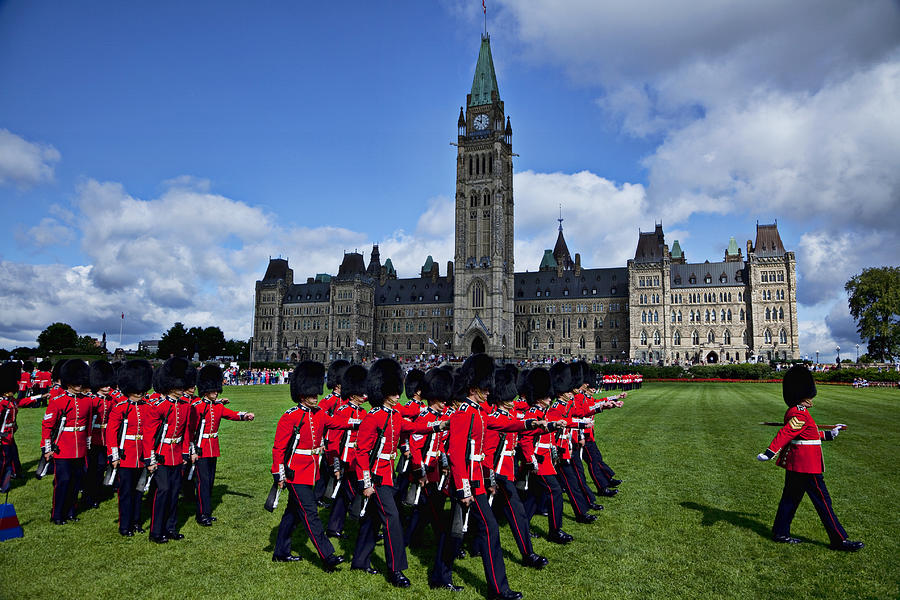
{"type": "Point", "coordinates": [560, 219]}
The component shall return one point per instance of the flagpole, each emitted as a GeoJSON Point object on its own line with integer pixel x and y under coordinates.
{"type": "Point", "coordinates": [484, 7]}
{"type": "Point", "coordinates": [121, 329]}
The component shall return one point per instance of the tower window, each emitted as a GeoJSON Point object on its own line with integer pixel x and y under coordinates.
{"type": "Point", "coordinates": [477, 295]}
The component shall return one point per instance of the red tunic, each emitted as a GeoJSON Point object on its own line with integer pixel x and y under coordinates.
{"type": "Point", "coordinates": [345, 426]}
{"type": "Point", "coordinates": [331, 404]}
{"type": "Point", "coordinates": [801, 442]}
{"type": "Point", "coordinates": [24, 381]}
{"type": "Point", "coordinates": [426, 448]}
{"type": "Point", "coordinates": [375, 461]}
{"type": "Point", "coordinates": [73, 438]}
{"type": "Point", "coordinates": [8, 412]}
{"type": "Point", "coordinates": [136, 444]}
{"type": "Point", "coordinates": [102, 406]}
{"type": "Point", "coordinates": [211, 413]}
{"type": "Point", "coordinates": [536, 446]}
{"type": "Point", "coordinates": [171, 414]}
{"type": "Point", "coordinates": [499, 456]}
{"type": "Point", "coordinates": [304, 461]}
{"type": "Point", "coordinates": [465, 448]}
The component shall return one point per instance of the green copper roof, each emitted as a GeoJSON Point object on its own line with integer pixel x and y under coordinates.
{"type": "Point", "coordinates": [676, 250]}
{"type": "Point", "coordinates": [323, 277]}
{"type": "Point", "coordinates": [485, 80]}
{"type": "Point", "coordinates": [429, 263]}
{"type": "Point", "coordinates": [732, 247]}
{"type": "Point", "coordinates": [548, 262]}
{"type": "Point", "coordinates": [389, 267]}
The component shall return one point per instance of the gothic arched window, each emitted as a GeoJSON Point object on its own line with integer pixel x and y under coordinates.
{"type": "Point", "coordinates": [477, 295]}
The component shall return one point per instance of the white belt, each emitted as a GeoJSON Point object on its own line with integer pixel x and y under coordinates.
{"type": "Point", "coordinates": [99, 426]}
{"type": "Point", "coordinates": [545, 446]}
{"type": "Point", "coordinates": [385, 456]}
{"type": "Point", "coordinates": [434, 454]}
{"type": "Point", "coordinates": [350, 445]}
{"type": "Point", "coordinates": [210, 435]}
{"type": "Point", "coordinates": [476, 457]}
{"type": "Point", "coordinates": [82, 428]}
{"type": "Point", "coordinates": [508, 453]}
{"type": "Point", "coordinates": [173, 440]}
{"type": "Point", "coordinates": [807, 442]}
{"type": "Point", "coordinates": [134, 437]}
{"type": "Point", "coordinates": [308, 451]}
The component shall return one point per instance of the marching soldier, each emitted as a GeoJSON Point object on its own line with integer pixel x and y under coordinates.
{"type": "Point", "coordinates": [379, 435]}
{"type": "Point", "coordinates": [167, 428]}
{"type": "Point", "coordinates": [601, 473]}
{"type": "Point", "coordinates": [103, 378]}
{"type": "Point", "coordinates": [25, 381]}
{"type": "Point", "coordinates": [295, 464]}
{"type": "Point", "coordinates": [127, 442]}
{"type": "Point", "coordinates": [800, 444]}
{"type": "Point", "coordinates": [207, 413]}
{"type": "Point", "coordinates": [9, 378]}
{"type": "Point", "coordinates": [330, 404]}
{"type": "Point", "coordinates": [64, 438]}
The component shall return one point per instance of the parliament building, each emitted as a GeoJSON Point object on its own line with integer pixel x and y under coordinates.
{"type": "Point", "coordinates": [658, 308]}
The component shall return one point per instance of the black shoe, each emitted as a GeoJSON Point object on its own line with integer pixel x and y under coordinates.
{"type": "Point", "coordinates": [368, 570]}
{"type": "Point", "coordinates": [206, 522]}
{"type": "Point", "coordinates": [615, 482]}
{"type": "Point", "coordinates": [73, 519]}
{"type": "Point", "coordinates": [330, 563]}
{"type": "Point", "coordinates": [535, 561]}
{"type": "Point", "coordinates": [174, 535]}
{"type": "Point", "coordinates": [58, 521]}
{"type": "Point", "coordinates": [213, 519]}
{"type": "Point", "coordinates": [595, 506]}
{"type": "Point", "coordinates": [138, 529]}
{"type": "Point", "coordinates": [336, 534]}
{"type": "Point", "coordinates": [379, 536]}
{"type": "Point", "coordinates": [560, 537]}
{"type": "Point", "coordinates": [543, 513]}
{"type": "Point", "coordinates": [534, 535]}
{"type": "Point", "coordinates": [507, 595]}
{"type": "Point", "coordinates": [461, 554]}
{"type": "Point", "coordinates": [446, 586]}
{"type": "Point", "coordinates": [92, 505]}
{"type": "Point", "coordinates": [288, 558]}
{"type": "Point", "coordinates": [398, 579]}
{"type": "Point", "coordinates": [847, 546]}
{"type": "Point", "coordinates": [321, 504]}
{"type": "Point", "coordinates": [159, 539]}
{"type": "Point", "coordinates": [609, 492]}
{"type": "Point", "coordinates": [586, 518]}
{"type": "Point", "coordinates": [126, 533]}
{"type": "Point", "coordinates": [785, 539]}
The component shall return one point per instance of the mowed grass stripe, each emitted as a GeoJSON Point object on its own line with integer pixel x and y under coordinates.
{"type": "Point", "coordinates": [692, 519]}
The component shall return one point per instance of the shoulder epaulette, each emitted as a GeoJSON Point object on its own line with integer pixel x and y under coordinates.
{"type": "Point", "coordinates": [291, 409]}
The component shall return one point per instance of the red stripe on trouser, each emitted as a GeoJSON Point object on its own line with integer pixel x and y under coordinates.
{"type": "Point", "coordinates": [153, 508]}
{"type": "Point", "coordinates": [198, 494]}
{"type": "Point", "coordinates": [552, 514]}
{"type": "Point", "coordinates": [308, 528]}
{"type": "Point", "coordinates": [119, 496]}
{"type": "Point", "coordinates": [387, 531]}
{"type": "Point", "coordinates": [487, 536]}
{"type": "Point", "coordinates": [830, 512]}
{"type": "Point", "coordinates": [53, 502]}
{"type": "Point", "coordinates": [571, 495]}
{"type": "Point", "coordinates": [519, 539]}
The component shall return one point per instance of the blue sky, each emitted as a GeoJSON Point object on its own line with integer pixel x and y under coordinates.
{"type": "Point", "coordinates": [153, 157]}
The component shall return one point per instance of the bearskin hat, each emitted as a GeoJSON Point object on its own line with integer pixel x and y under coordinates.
{"type": "Point", "coordinates": [45, 365]}
{"type": "Point", "coordinates": [102, 375]}
{"type": "Point", "coordinates": [75, 372]}
{"type": "Point", "coordinates": [522, 382]}
{"type": "Point", "coordinates": [538, 386]}
{"type": "Point", "coordinates": [504, 388]}
{"type": "Point", "coordinates": [414, 382]}
{"type": "Point", "coordinates": [798, 385]}
{"type": "Point", "coordinates": [577, 375]}
{"type": "Point", "coordinates": [385, 379]}
{"type": "Point", "coordinates": [9, 377]}
{"type": "Point", "coordinates": [437, 386]}
{"type": "Point", "coordinates": [28, 366]}
{"type": "Point", "coordinates": [135, 377]}
{"type": "Point", "coordinates": [588, 376]}
{"type": "Point", "coordinates": [209, 379]}
{"type": "Point", "coordinates": [561, 378]}
{"type": "Point", "coordinates": [353, 381]}
{"type": "Point", "coordinates": [175, 374]}
{"type": "Point", "coordinates": [54, 374]}
{"type": "Point", "coordinates": [308, 379]}
{"type": "Point", "coordinates": [459, 391]}
{"type": "Point", "coordinates": [335, 372]}
{"type": "Point", "coordinates": [478, 372]}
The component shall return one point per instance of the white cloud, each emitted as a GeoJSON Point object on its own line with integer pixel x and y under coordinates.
{"type": "Point", "coordinates": [25, 163]}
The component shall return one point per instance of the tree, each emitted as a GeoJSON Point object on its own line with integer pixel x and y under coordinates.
{"type": "Point", "coordinates": [240, 350]}
{"type": "Point", "coordinates": [88, 345]}
{"type": "Point", "coordinates": [875, 304]}
{"type": "Point", "coordinates": [176, 342]}
{"type": "Point", "coordinates": [57, 337]}
{"type": "Point", "coordinates": [210, 342]}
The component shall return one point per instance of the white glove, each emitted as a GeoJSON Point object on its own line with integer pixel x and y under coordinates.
{"type": "Point", "coordinates": [837, 430]}
{"type": "Point", "coordinates": [762, 456]}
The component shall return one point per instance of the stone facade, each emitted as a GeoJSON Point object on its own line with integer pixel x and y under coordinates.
{"type": "Point", "coordinates": [657, 308]}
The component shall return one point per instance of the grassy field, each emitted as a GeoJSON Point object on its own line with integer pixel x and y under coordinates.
{"type": "Point", "coordinates": [692, 520]}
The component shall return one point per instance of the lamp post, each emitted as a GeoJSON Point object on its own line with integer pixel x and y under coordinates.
{"type": "Point", "coordinates": [817, 357]}
{"type": "Point", "coordinates": [857, 354]}
{"type": "Point", "coordinates": [837, 351]}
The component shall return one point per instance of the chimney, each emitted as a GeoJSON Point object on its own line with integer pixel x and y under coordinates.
{"type": "Point", "coordinates": [749, 248]}
{"type": "Point", "coordinates": [577, 264]}
{"type": "Point", "coordinates": [450, 271]}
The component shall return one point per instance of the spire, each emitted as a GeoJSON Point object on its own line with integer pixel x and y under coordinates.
{"type": "Point", "coordinates": [560, 219]}
{"type": "Point", "coordinates": [374, 268]}
{"type": "Point", "coordinates": [561, 249]}
{"type": "Point", "coordinates": [484, 84]}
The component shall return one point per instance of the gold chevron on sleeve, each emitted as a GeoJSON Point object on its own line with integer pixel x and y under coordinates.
{"type": "Point", "coordinates": [795, 423]}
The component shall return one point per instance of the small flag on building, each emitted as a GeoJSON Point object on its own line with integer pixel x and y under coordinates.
{"type": "Point", "coordinates": [359, 342]}
{"type": "Point", "coordinates": [432, 342]}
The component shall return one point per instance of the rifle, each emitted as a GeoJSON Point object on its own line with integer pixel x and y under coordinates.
{"type": "Point", "coordinates": [459, 523]}
{"type": "Point", "coordinates": [44, 462]}
{"type": "Point", "coordinates": [334, 479]}
{"type": "Point", "coordinates": [91, 431]}
{"type": "Point", "coordinates": [445, 464]}
{"type": "Point", "coordinates": [373, 463]}
{"type": "Point", "coordinates": [5, 418]}
{"type": "Point", "coordinates": [774, 424]}
{"type": "Point", "coordinates": [284, 471]}
{"type": "Point", "coordinates": [198, 446]}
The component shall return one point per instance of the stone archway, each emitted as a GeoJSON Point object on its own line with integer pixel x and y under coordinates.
{"type": "Point", "coordinates": [477, 345]}
{"type": "Point", "coordinates": [712, 358]}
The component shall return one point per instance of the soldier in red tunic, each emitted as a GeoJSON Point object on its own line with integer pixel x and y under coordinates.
{"type": "Point", "coordinates": [800, 444]}
{"type": "Point", "coordinates": [103, 379]}
{"type": "Point", "coordinates": [330, 404]}
{"type": "Point", "coordinates": [207, 413]}
{"type": "Point", "coordinates": [64, 437]}
{"type": "Point", "coordinates": [9, 377]}
{"type": "Point", "coordinates": [125, 440]}
{"type": "Point", "coordinates": [296, 458]}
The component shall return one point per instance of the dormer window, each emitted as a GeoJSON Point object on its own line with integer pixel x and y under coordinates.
{"type": "Point", "coordinates": [678, 280]}
{"type": "Point", "coordinates": [708, 278]}
{"type": "Point", "coordinates": [692, 279]}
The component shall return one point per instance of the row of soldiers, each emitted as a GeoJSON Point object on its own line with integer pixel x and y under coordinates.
{"type": "Point", "coordinates": [102, 427]}
{"type": "Point", "coordinates": [476, 436]}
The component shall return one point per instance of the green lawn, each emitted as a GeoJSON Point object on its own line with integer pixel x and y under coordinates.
{"type": "Point", "coordinates": [692, 519]}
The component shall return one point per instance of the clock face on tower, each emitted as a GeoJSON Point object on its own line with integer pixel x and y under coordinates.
{"type": "Point", "coordinates": [481, 122]}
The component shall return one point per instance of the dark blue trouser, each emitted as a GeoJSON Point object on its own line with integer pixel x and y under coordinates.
{"type": "Point", "coordinates": [68, 474]}
{"type": "Point", "coordinates": [813, 484]}
{"type": "Point", "coordinates": [382, 509]}
{"type": "Point", "coordinates": [515, 513]}
{"type": "Point", "coordinates": [93, 479]}
{"type": "Point", "coordinates": [165, 499]}
{"type": "Point", "coordinates": [342, 501]}
{"type": "Point", "coordinates": [542, 486]}
{"type": "Point", "coordinates": [129, 498]}
{"type": "Point", "coordinates": [578, 465]}
{"type": "Point", "coordinates": [301, 508]}
{"type": "Point", "coordinates": [600, 472]}
{"type": "Point", "coordinates": [569, 482]}
{"type": "Point", "coordinates": [205, 477]}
